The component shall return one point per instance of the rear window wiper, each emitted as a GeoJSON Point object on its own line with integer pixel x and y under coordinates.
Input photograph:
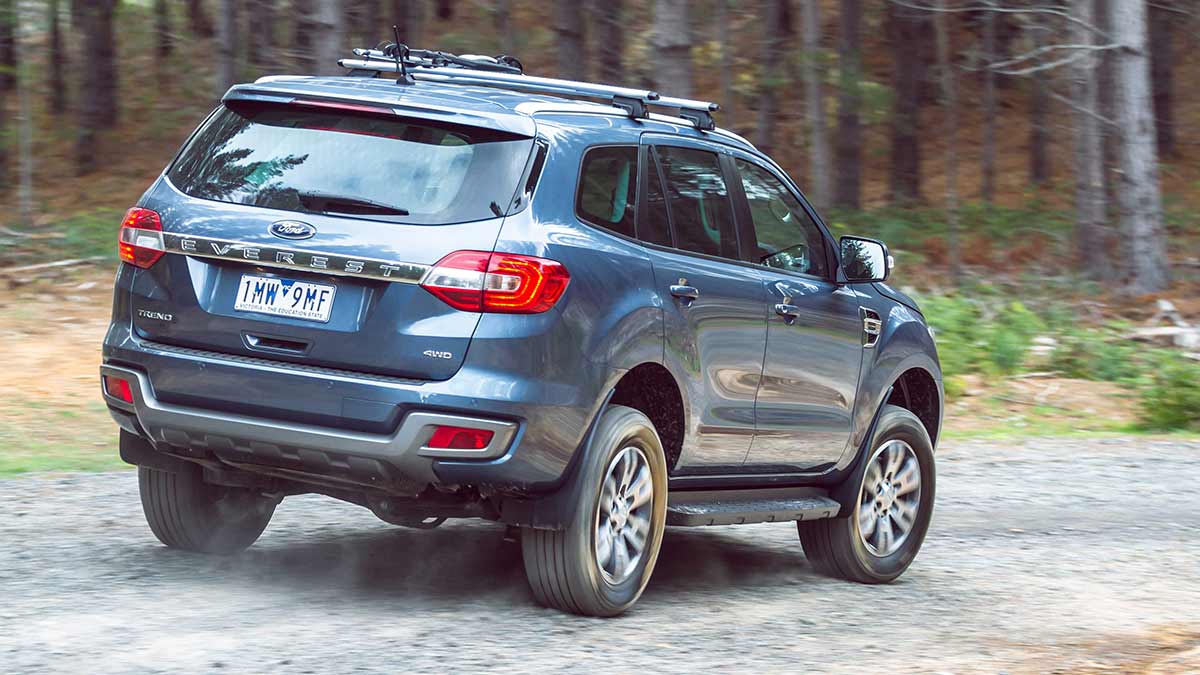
{"type": "Point", "coordinates": [324, 202]}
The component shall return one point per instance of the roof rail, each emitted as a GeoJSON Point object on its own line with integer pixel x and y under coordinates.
{"type": "Point", "coordinates": [506, 72]}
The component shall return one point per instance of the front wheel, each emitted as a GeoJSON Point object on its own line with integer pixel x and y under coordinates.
{"type": "Point", "coordinates": [600, 562]}
{"type": "Point", "coordinates": [893, 506]}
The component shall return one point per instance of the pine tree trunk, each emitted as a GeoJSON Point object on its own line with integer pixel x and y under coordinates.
{"type": "Point", "coordinates": [988, 188]}
{"type": "Point", "coordinates": [260, 36]}
{"type": "Point", "coordinates": [302, 36]}
{"type": "Point", "coordinates": [226, 45]}
{"type": "Point", "coordinates": [949, 89]}
{"type": "Point", "coordinates": [610, 40]}
{"type": "Point", "coordinates": [728, 105]}
{"type": "Point", "coordinates": [198, 21]}
{"type": "Point", "coordinates": [1090, 200]}
{"type": "Point", "coordinates": [503, 13]}
{"type": "Point", "coordinates": [672, 43]}
{"type": "Point", "coordinates": [5, 180]}
{"type": "Point", "coordinates": [162, 28]}
{"type": "Point", "coordinates": [1147, 267]}
{"type": "Point", "coordinates": [8, 45]}
{"type": "Point", "coordinates": [331, 31]}
{"type": "Point", "coordinates": [405, 17]}
{"type": "Point", "coordinates": [1039, 106]}
{"type": "Point", "coordinates": [25, 208]}
{"type": "Point", "coordinates": [56, 58]}
{"type": "Point", "coordinates": [568, 27]}
{"type": "Point", "coordinates": [1162, 22]}
{"type": "Point", "coordinates": [1108, 110]}
{"type": "Point", "coordinates": [97, 82]}
{"type": "Point", "coordinates": [772, 81]}
{"type": "Point", "coordinates": [848, 144]}
{"type": "Point", "coordinates": [905, 28]}
{"type": "Point", "coordinates": [814, 95]}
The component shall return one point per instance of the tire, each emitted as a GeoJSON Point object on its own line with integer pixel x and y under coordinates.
{"type": "Point", "coordinates": [186, 513]}
{"type": "Point", "coordinates": [837, 548]}
{"type": "Point", "coordinates": [564, 567]}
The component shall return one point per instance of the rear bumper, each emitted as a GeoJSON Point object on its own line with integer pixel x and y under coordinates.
{"type": "Point", "coordinates": [357, 457]}
{"type": "Point", "coordinates": [297, 422]}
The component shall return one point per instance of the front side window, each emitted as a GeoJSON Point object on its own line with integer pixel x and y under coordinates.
{"type": "Point", "coordinates": [608, 188]}
{"type": "Point", "coordinates": [699, 201]}
{"type": "Point", "coordinates": [379, 167]}
{"type": "Point", "coordinates": [786, 237]}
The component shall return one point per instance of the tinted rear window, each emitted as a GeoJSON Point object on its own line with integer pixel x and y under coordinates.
{"type": "Point", "coordinates": [370, 166]}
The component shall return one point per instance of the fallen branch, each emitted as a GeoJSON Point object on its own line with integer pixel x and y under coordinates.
{"type": "Point", "coordinates": [50, 265]}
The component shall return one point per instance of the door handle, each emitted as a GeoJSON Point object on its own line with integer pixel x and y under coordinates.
{"type": "Point", "coordinates": [685, 293]}
{"type": "Point", "coordinates": [789, 312]}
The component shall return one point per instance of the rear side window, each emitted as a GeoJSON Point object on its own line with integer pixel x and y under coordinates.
{"type": "Point", "coordinates": [608, 188]}
{"type": "Point", "coordinates": [699, 201]}
{"type": "Point", "coordinates": [371, 166]}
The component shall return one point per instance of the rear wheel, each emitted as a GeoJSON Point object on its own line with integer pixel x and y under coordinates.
{"type": "Point", "coordinates": [185, 512]}
{"type": "Point", "coordinates": [893, 506]}
{"type": "Point", "coordinates": [600, 562]}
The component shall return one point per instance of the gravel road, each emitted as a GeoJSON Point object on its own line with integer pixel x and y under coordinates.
{"type": "Point", "coordinates": [1044, 556]}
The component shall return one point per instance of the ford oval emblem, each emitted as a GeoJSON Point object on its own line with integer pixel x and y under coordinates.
{"type": "Point", "coordinates": [292, 229]}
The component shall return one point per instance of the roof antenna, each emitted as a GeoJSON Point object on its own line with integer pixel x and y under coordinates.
{"type": "Point", "coordinates": [401, 53]}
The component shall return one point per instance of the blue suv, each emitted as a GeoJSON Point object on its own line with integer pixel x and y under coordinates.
{"type": "Point", "coordinates": [582, 311]}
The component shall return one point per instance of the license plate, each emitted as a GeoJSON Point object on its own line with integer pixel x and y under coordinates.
{"type": "Point", "coordinates": [285, 297]}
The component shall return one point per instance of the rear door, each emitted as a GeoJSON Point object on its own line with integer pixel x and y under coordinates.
{"type": "Point", "coordinates": [300, 233]}
{"type": "Point", "coordinates": [715, 315]}
{"type": "Point", "coordinates": [814, 330]}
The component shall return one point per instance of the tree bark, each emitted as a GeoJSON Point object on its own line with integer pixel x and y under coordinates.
{"type": "Point", "coordinates": [226, 45]}
{"type": "Point", "coordinates": [162, 29]}
{"type": "Point", "coordinates": [818, 150]}
{"type": "Point", "coordinates": [672, 42]}
{"type": "Point", "coordinates": [1147, 267]}
{"type": "Point", "coordinates": [905, 28]}
{"type": "Point", "coordinates": [1039, 107]}
{"type": "Point", "coordinates": [568, 27]}
{"type": "Point", "coordinates": [5, 181]}
{"type": "Point", "coordinates": [260, 36]}
{"type": "Point", "coordinates": [949, 90]}
{"type": "Point", "coordinates": [728, 105]}
{"type": "Point", "coordinates": [610, 40]}
{"type": "Point", "coordinates": [25, 208]}
{"type": "Point", "coordinates": [329, 26]}
{"type": "Point", "coordinates": [988, 161]}
{"type": "Point", "coordinates": [302, 36]}
{"type": "Point", "coordinates": [8, 45]}
{"type": "Point", "coordinates": [406, 16]}
{"type": "Point", "coordinates": [503, 13]}
{"type": "Point", "coordinates": [56, 57]}
{"type": "Point", "coordinates": [772, 80]}
{"type": "Point", "coordinates": [97, 99]}
{"type": "Point", "coordinates": [848, 144]}
{"type": "Point", "coordinates": [1108, 108]}
{"type": "Point", "coordinates": [1162, 22]}
{"type": "Point", "coordinates": [198, 21]}
{"type": "Point", "coordinates": [1090, 201]}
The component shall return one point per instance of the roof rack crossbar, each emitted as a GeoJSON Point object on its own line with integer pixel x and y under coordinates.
{"type": "Point", "coordinates": [505, 73]}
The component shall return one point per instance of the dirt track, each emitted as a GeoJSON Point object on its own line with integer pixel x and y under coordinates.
{"type": "Point", "coordinates": [1050, 556]}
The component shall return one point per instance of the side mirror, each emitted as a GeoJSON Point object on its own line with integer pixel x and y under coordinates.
{"type": "Point", "coordinates": [865, 259]}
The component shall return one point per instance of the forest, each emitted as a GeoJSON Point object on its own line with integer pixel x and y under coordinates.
{"type": "Point", "coordinates": [1031, 163]}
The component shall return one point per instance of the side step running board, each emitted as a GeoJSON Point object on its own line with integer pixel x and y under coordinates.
{"type": "Point", "coordinates": [738, 507]}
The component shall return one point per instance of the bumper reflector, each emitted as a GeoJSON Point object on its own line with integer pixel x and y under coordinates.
{"type": "Point", "coordinates": [459, 438]}
{"type": "Point", "coordinates": [118, 388]}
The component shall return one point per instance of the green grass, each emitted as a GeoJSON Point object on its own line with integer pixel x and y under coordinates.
{"type": "Point", "coordinates": [36, 437]}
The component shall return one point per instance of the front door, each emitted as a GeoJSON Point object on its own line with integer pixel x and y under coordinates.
{"type": "Point", "coordinates": [814, 332]}
{"type": "Point", "coordinates": [714, 305]}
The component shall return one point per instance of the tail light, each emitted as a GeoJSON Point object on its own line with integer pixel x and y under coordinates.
{"type": "Point", "coordinates": [459, 438]}
{"type": "Point", "coordinates": [118, 388]}
{"type": "Point", "coordinates": [477, 281]}
{"type": "Point", "coordinates": [140, 241]}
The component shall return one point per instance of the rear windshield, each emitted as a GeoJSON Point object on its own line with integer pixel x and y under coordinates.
{"type": "Point", "coordinates": [370, 166]}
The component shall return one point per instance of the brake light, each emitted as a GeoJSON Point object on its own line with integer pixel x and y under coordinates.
{"type": "Point", "coordinates": [477, 281]}
{"type": "Point", "coordinates": [459, 438]}
{"type": "Point", "coordinates": [118, 388]}
{"type": "Point", "coordinates": [140, 240]}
